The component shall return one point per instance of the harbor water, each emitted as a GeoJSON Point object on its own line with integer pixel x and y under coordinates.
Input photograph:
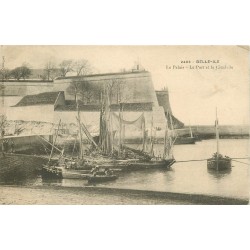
{"type": "Point", "coordinates": [188, 176]}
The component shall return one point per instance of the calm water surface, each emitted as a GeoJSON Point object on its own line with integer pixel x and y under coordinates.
{"type": "Point", "coordinates": [187, 177]}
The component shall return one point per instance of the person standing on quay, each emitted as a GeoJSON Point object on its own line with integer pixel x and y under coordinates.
{"type": "Point", "coordinates": [12, 146]}
{"type": "Point", "coordinates": [3, 147]}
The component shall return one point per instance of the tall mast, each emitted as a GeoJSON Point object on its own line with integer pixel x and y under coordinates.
{"type": "Point", "coordinates": [191, 132]}
{"type": "Point", "coordinates": [217, 141]}
{"type": "Point", "coordinates": [100, 126]}
{"type": "Point", "coordinates": [217, 133]}
{"type": "Point", "coordinates": [80, 129]}
{"type": "Point", "coordinates": [151, 136]}
{"type": "Point", "coordinates": [54, 142]}
{"type": "Point", "coordinates": [144, 138]}
{"type": "Point", "coordinates": [165, 141]}
{"type": "Point", "coordinates": [120, 122]}
{"type": "Point", "coordinates": [3, 76]}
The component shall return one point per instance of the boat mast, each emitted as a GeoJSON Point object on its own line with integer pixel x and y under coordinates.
{"type": "Point", "coordinates": [100, 126]}
{"type": "Point", "coordinates": [191, 132]}
{"type": "Point", "coordinates": [105, 140]}
{"type": "Point", "coordinates": [217, 133]}
{"type": "Point", "coordinates": [120, 122]}
{"type": "Point", "coordinates": [151, 136]}
{"type": "Point", "coordinates": [165, 143]}
{"type": "Point", "coordinates": [3, 77]}
{"type": "Point", "coordinates": [54, 142]}
{"type": "Point", "coordinates": [217, 139]}
{"type": "Point", "coordinates": [144, 138]}
{"type": "Point", "coordinates": [80, 129]}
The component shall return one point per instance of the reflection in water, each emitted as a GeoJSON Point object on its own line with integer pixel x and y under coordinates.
{"type": "Point", "coordinates": [17, 176]}
{"type": "Point", "coordinates": [52, 182]}
{"type": "Point", "coordinates": [219, 174]}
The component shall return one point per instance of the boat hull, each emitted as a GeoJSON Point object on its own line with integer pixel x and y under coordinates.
{"type": "Point", "coordinates": [51, 172]}
{"type": "Point", "coordinates": [185, 140]}
{"type": "Point", "coordinates": [101, 178]}
{"type": "Point", "coordinates": [219, 164]}
{"type": "Point", "coordinates": [63, 173]}
{"type": "Point", "coordinates": [142, 165]}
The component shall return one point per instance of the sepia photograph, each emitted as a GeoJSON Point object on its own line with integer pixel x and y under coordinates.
{"type": "Point", "coordinates": [124, 125]}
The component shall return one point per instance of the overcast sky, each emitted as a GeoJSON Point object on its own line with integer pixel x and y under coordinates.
{"type": "Point", "coordinates": [194, 93]}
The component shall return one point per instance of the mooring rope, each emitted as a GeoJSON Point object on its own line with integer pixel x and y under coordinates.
{"type": "Point", "coordinates": [242, 162]}
{"type": "Point", "coordinates": [190, 160]}
{"type": "Point", "coordinates": [234, 159]}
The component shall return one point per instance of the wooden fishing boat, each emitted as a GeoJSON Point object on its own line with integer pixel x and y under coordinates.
{"type": "Point", "coordinates": [108, 155]}
{"type": "Point", "coordinates": [101, 178]}
{"type": "Point", "coordinates": [218, 162]}
{"type": "Point", "coordinates": [185, 140]}
{"type": "Point", "coordinates": [54, 172]}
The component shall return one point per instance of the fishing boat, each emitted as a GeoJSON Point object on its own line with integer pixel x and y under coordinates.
{"type": "Point", "coordinates": [60, 172]}
{"type": "Point", "coordinates": [101, 178]}
{"type": "Point", "coordinates": [218, 162]}
{"type": "Point", "coordinates": [186, 140]}
{"type": "Point", "coordinates": [110, 152]}
{"type": "Point", "coordinates": [66, 167]}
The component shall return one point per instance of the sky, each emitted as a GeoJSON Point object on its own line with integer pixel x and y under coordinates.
{"type": "Point", "coordinates": [195, 90]}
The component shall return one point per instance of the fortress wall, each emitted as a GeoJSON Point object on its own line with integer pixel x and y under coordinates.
{"type": "Point", "coordinates": [163, 100]}
{"type": "Point", "coordinates": [135, 87]}
{"type": "Point", "coordinates": [60, 101]}
{"type": "Point", "coordinates": [26, 88]}
{"type": "Point", "coordinates": [43, 113]}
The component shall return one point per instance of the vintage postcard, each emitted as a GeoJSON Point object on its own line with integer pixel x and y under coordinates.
{"type": "Point", "coordinates": [124, 125]}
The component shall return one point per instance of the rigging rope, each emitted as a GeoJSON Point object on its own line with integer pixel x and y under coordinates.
{"type": "Point", "coordinates": [241, 162]}
{"type": "Point", "coordinates": [207, 159]}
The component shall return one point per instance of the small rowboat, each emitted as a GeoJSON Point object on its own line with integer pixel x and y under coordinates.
{"type": "Point", "coordinates": [101, 178]}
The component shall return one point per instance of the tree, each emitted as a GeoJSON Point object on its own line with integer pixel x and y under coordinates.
{"type": "Point", "coordinates": [74, 89]}
{"type": "Point", "coordinates": [26, 72]}
{"type": "Point", "coordinates": [65, 67]}
{"type": "Point", "coordinates": [116, 90]}
{"type": "Point", "coordinates": [21, 72]}
{"type": "Point", "coordinates": [81, 88]}
{"type": "Point", "coordinates": [84, 90]}
{"type": "Point", "coordinates": [5, 74]}
{"type": "Point", "coordinates": [49, 71]}
{"type": "Point", "coordinates": [82, 67]}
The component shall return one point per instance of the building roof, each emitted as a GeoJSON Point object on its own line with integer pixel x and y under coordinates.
{"type": "Point", "coordinates": [70, 105]}
{"type": "Point", "coordinates": [46, 98]}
